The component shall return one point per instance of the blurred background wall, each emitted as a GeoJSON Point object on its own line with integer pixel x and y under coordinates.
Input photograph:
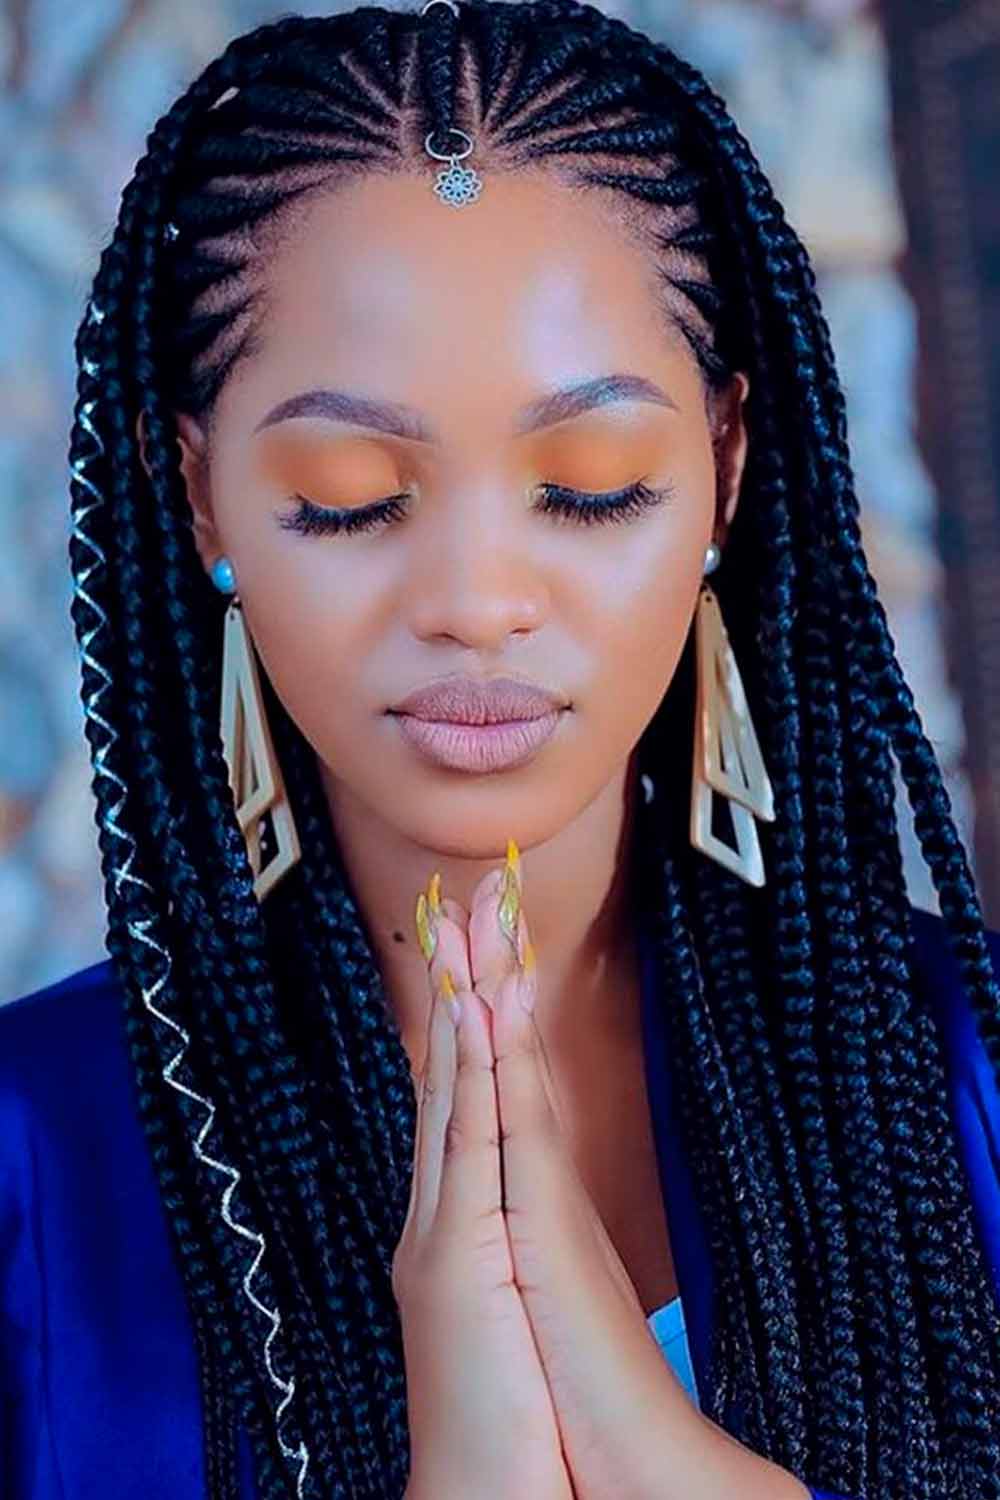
{"type": "Point", "coordinates": [879, 126]}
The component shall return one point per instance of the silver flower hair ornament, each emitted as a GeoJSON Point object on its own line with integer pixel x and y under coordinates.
{"type": "Point", "coordinates": [455, 185]}
{"type": "Point", "coordinates": [140, 927]}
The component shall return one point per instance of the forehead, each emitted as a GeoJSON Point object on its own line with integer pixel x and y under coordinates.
{"type": "Point", "coordinates": [536, 280]}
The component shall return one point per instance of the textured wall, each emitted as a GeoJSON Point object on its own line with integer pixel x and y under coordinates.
{"type": "Point", "coordinates": [83, 85]}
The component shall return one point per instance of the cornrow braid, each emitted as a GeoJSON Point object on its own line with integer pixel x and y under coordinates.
{"type": "Point", "coordinates": [856, 1329]}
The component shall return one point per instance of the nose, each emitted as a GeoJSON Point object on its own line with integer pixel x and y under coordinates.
{"type": "Point", "coordinates": [475, 579]}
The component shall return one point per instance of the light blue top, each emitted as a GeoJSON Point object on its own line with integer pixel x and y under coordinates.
{"type": "Point", "coordinates": [667, 1325]}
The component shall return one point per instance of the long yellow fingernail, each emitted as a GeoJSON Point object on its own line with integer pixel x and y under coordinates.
{"type": "Point", "coordinates": [426, 932]}
{"type": "Point", "coordinates": [529, 959]}
{"type": "Point", "coordinates": [434, 893]}
{"type": "Point", "coordinates": [448, 993]}
{"type": "Point", "coordinates": [514, 861]}
{"type": "Point", "coordinates": [510, 897]}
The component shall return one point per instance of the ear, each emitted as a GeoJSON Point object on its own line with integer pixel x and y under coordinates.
{"type": "Point", "coordinates": [193, 443]}
{"type": "Point", "coordinates": [729, 444]}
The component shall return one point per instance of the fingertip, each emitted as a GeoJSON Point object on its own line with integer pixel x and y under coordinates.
{"type": "Point", "coordinates": [455, 910]}
{"type": "Point", "coordinates": [486, 889]}
{"type": "Point", "coordinates": [452, 952]}
{"type": "Point", "coordinates": [457, 1003]}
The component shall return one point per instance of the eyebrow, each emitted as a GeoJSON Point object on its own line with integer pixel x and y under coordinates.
{"type": "Point", "coordinates": [399, 420]}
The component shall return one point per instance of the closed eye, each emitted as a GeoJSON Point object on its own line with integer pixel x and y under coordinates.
{"type": "Point", "coordinates": [582, 507]}
{"type": "Point", "coordinates": [614, 506]}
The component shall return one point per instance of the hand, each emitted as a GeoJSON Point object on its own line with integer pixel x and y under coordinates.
{"type": "Point", "coordinates": [628, 1429]}
{"type": "Point", "coordinates": [480, 1416]}
{"type": "Point", "coordinates": [607, 1375]}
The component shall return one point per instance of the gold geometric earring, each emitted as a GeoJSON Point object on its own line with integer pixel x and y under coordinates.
{"type": "Point", "coordinates": [727, 757]}
{"type": "Point", "coordinates": [262, 806]}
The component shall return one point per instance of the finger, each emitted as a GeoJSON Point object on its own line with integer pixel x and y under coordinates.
{"type": "Point", "coordinates": [526, 1094]}
{"type": "Point", "coordinates": [440, 935]}
{"type": "Point", "coordinates": [441, 925]}
{"type": "Point", "coordinates": [548, 1210]}
{"type": "Point", "coordinates": [433, 1111]}
{"type": "Point", "coordinates": [540, 1173]}
{"type": "Point", "coordinates": [451, 949]}
{"type": "Point", "coordinates": [423, 1086]}
{"type": "Point", "coordinates": [529, 995]}
{"type": "Point", "coordinates": [491, 955]}
{"type": "Point", "coordinates": [456, 911]}
{"type": "Point", "coordinates": [470, 1172]}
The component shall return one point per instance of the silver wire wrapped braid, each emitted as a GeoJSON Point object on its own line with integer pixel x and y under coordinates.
{"type": "Point", "coordinates": [139, 927]}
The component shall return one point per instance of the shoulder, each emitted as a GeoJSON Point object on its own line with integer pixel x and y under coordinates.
{"type": "Point", "coordinates": [971, 1075]}
{"type": "Point", "coordinates": [59, 1026]}
{"type": "Point", "coordinates": [95, 984]}
{"type": "Point", "coordinates": [60, 1069]}
{"type": "Point", "coordinates": [63, 1062]}
{"type": "Point", "coordinates": [930, 936]}
{"type": "Point", "coordinates": [75, 1174]}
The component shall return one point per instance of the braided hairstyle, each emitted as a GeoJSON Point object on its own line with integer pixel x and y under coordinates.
{"type": "Point", "coordinates": [857, 1333]}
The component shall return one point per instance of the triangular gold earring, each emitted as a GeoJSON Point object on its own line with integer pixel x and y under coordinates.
{"type": "Point", "coordinates": [727, 757]}
{"type": "Point", "coordinates": [254, 774]}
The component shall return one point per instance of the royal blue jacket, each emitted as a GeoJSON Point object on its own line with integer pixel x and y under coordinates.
{"type": "Point", "coordinates": [99, 1391]}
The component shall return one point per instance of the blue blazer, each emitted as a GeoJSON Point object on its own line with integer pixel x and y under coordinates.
{"type": "Point", "coordinates": [99, 1392]}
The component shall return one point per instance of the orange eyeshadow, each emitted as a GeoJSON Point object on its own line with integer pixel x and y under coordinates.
{"type": "Point", "coordinates": [347, 467]}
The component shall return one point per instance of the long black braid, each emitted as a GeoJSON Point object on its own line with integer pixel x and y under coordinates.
{"type": "Point", "coordinates": [857, 1331]}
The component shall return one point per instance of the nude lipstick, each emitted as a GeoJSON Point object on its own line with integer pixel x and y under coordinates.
{"type": "Point", "coordinates": [480, 725]}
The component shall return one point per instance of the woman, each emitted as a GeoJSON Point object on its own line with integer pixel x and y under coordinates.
{"type": "Point", "coordinates": [460, 424]}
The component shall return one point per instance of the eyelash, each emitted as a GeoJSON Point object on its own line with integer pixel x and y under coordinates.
{"type": "Point", "coordinates": [579, 506]}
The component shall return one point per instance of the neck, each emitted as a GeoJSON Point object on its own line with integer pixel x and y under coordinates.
{"type": "Point", "coordinates": [577, 902]}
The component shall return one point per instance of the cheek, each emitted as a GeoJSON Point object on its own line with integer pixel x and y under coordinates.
{"type": "Point", "coordinates": [312, 623]}
{"type": "Point", "coordinates": [637, 615]}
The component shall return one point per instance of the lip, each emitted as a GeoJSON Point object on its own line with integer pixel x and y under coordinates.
{"type": "Point", "coordinates": [479, 747]}
{"type": "Point", "coordinates": [483, 701]}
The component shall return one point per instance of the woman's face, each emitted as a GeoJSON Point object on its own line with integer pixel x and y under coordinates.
{"type": "Point", "coordinates": [469, 319]}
